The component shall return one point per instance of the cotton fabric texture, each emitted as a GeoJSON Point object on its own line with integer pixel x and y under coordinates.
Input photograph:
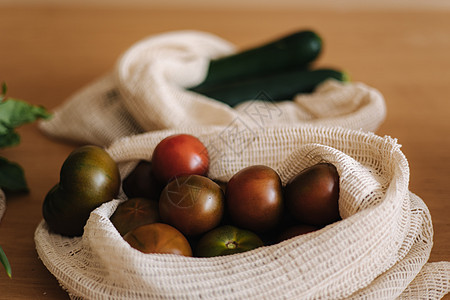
{"type": "Point", "coordinates": [378, 251]}
{"type": "Point", "coordinates": [146, 91]}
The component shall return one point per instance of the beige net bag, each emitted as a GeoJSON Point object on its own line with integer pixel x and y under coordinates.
{"type": "Point", "coordinates": [146, 91]}
{"type": "Point", "coordinates": [378, 251]}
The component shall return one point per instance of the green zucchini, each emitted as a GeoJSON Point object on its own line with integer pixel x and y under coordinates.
{"type": "Point", "coordinates": [296, 50]}
{"type": "Point", "coordinates": [274, 87]}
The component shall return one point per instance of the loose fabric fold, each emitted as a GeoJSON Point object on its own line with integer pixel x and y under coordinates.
{"type": "Point", "coordinates": [146, 91]}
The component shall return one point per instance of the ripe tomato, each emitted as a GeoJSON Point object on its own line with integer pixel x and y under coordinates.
{"type": "Point", "coordinates": [88, 178]}
{"type": "Point", "coordinates": [177, 155]}
{"type": "Point", "coordinates": [141, 182]}
{"type": "Point", "coordinates": [133, 213]}
{"type": "Point", "coordinates": [254, 198]}
{"type": "Point", "coordinates": [158, 238]}
{"type": "Point", "coordinates": [312, 195]}
{"type": "Point", "coordinates": [193, 204]}
{"type": "Point", "coordinates": [296, 230]}
{"type": "Point", "coordinates": [226, 240]}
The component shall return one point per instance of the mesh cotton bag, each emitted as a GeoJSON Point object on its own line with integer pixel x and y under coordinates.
{"type": "Point", "coordinates": [378, 251]}
{"type": "Point", "coordinates": [146, 91]}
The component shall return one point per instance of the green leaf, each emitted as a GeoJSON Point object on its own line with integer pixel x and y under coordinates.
{"type": "Point", "coordinates": [12, 177]}
{"type": "Point", "coordinates": [14, 113]}
{"type": "Point", "coordinates": [5, 262]}
{"type": "Point", "coordinates": [9, 139]}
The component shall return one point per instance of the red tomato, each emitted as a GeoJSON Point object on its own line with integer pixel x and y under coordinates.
{"type": "Point", "coordinates": [254, 198]}
{"type": "Point", "coordinates": [312, 196]}
{"type": "Point", "coordinates": [180, 154]}
{"type": "Point", "coordinates": [193, 204]}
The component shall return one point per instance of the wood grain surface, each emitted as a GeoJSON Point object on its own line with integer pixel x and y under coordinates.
{"type": "Point", "coordinates": [48, 53]}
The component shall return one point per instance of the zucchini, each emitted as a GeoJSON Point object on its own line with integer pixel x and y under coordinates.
{"type": "Point", "coordinates": [296, 50]}
{"type": "Point", "coordinates": [274, 87]}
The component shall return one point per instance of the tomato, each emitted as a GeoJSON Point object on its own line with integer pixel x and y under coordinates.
{"type": "Point", "coordinates": [254, 198]}
{"type": "Point", "coordinates": [193, 204]}
{"type": "Point", "coordinates": [223, 185]}
{"type": "Point", "coordinates": [158, 238]}
{"type": "Point", "coordinates": [296, 230]}
{"type": "Point", "coordinates": [226, 240]}
{"type": "Point", "coordinates": [178, 155]}
{"type": "Point", "coordinates": [133, 213]}
{"type": "Point", "coordinates": [88, 178]}
{"type": "Point", "coordinates": [141, 182]}
{"type": "Point", "coordinates": [312, 195]}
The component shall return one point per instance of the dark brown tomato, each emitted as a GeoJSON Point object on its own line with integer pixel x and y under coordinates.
{"type": "Point", "coordinates": [135, 212]}
{"type": "Point", "coordinates": [89, 177]}
{"type": "Point", "coordinates": [141, 182]}
{"type": "Point", "coordinates": [90, 173]}
{"type": "Point", "coordinates": [158, 238]}
{"type": "Point", "coordinates": [193, 204]}
{"type": "Point", "coordinates": [254, 198]}
{"type": "Point", "coordinates": [312, 195]}
{"type": "Point", "coordinates": [226, 240]}
{"type": "Point", "coordinates": [62, 213]}
{"type": "Point", "coordinates": [296, 230]}
{"type": "Point", "coordinates": [223, 185]}
{"type": "Point", "coordinates": [178, 155]}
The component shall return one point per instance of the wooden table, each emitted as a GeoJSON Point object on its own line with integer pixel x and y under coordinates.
{"type": "Point", "coordinates": [48, 53]}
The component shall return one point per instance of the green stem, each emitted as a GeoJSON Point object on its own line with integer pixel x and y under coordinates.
{"type": "Point", "coordinates": [231, 245]}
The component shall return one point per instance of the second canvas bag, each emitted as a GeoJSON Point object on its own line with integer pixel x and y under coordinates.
{"type": "Point", "coordinates": [147, 91]}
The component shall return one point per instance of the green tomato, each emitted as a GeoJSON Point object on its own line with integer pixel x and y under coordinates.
{"type": "Point", "coordinates": [89, 177]}
{"type": "Point", "coordinates": [226, 240]}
